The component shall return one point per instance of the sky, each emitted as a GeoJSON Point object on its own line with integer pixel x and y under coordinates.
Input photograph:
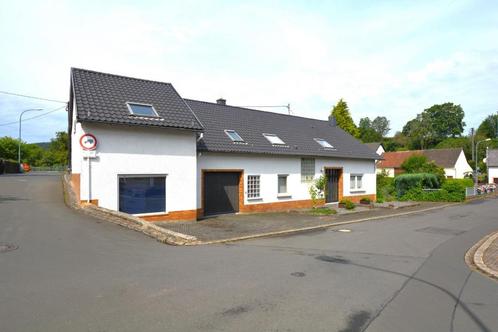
{"type": "Point", "coordinates": [385, 58]}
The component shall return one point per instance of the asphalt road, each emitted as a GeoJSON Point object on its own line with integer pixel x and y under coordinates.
{"type": "Point", "coordinates": [75, 273]}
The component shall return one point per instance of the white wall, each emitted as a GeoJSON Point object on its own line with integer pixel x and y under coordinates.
{"type": "Point", "coordinates": [462, 166]}
{"type": "Point", "coordinates": [268, 167]}
{"type": "Point", "coordinates": [450, 172]}
{"type": "Point", "coordinates": [124, 150]}
{"type": "Point", "coordinates": [492, 173]}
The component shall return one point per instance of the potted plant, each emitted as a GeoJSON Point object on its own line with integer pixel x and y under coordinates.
{"type": "Point", "coordinates": [347, 204]}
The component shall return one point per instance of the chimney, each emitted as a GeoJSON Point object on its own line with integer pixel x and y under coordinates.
{"type": "Point", "coordinates": [332, 121]}
{"type": "Point", "coordinates": [221, 101]}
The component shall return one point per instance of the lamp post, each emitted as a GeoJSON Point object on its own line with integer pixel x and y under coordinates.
{"type": "Point", "coordinates": [477, 158]}
{"type": "Point", "coordinates": [20, 122]}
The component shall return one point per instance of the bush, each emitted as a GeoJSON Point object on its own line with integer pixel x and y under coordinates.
{"type": "Point", "coordinates": [385, 188]}
{"type": "Point", "coordinates": [405, 182]}
{"type": "Point", "coordinates": [348, 204]}
{"type": "Point", "coordinates": [420, 164]}
{"type": "Point", "coordinates": [365, 200]}
{"type": "Point", "coordinates": [452, 190]}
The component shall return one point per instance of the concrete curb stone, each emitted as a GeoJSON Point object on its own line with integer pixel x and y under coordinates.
{"type": "Point", "coordinates": [478, 257]}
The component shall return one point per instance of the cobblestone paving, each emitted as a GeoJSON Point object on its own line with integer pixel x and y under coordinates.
{"type": "Point", "coordinates": [490, 257]}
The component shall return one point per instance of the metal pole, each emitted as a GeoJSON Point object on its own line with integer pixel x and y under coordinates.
{"type": "Point", "coordinates": [19, 137]}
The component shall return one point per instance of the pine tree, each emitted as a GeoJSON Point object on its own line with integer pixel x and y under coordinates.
{"type": "Point", "coordinates": [343, 118]}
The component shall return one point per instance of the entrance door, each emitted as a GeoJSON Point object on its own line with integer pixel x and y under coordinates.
{"type": "Point", "coordinates": [221, 192]}
{"type": "Point", "coordinates": [332, 190]}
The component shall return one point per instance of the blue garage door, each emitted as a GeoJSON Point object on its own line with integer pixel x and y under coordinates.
{"type": "Point", "coordinates": [142, 194]}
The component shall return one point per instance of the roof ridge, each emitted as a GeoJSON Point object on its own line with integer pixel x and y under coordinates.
{"type": "Point", "coordinates": [120, 76]}
{"type": "Point", "coordinates": [254, 110]}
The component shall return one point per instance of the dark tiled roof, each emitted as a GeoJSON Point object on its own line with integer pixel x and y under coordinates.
{"type": "Point", "coordinates": [445, 158]}
{"type": "Point", "coordinates": [297, 132]}
{"type": "Point", "coordinates": [373, 146]}
{"type": "Point", "coordinates": [102, 97]}
{"type": "Point", "coordinates": [492, 158]}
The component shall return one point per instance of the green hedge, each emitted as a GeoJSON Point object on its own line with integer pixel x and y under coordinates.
{"type": "Point", "coordinates": [453, 190]}
{"type": "Point", "coordinates": [385, 189]}
{"type": "Point", "coordinates": [406, 182]}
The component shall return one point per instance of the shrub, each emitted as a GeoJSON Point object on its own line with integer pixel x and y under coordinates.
{"type": "Point", "coordinates": [317, 189]}
{"type": "Point", "coordinates": [420, 164]}
{"type": "Point", "coordinates": [451, 191]}
{"type": "Point", "coordinates": [385, 188]}
{"type": "Point", "coordinates": [365, 200]}
{"type": "Point", "coordinates": [348, 204]}
{"type": "Point", "coordinates": [405, 182]}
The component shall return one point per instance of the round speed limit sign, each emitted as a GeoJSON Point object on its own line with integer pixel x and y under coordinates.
{"type": "Point", "coordinates": [88, 142]}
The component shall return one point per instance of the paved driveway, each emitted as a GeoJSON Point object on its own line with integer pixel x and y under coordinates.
{"type": "Point", "coordinates": [75, 273]}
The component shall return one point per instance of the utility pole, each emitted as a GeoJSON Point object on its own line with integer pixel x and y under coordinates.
{"type": "Point", "coordinates": [472, 138]}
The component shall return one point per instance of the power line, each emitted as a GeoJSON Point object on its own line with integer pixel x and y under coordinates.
{"type": "Point", "coordinates": [32, 97]}
{"type": "Point", "coordinates": [33, 117]}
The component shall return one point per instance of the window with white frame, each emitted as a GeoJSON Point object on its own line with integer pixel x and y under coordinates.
{"type": "Point", "coordinates": [141, 109]}
{"type": "Point", "coordinates": [234, 136]}
{"type": "Point", "coordinates": [282, 183]}
{"type": "Point", "coordinates": [253, 186]}
{"type": "Point", "coordinates": [274, 139]}
{"type": "Point", "coordinates": [307, 169]}
{"type": "Point", "coordinates": [356, 182]}
{"type": "Point", "coordinates": [324, 143]}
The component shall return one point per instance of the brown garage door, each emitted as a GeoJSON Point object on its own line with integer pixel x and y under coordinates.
{"type": "Point", "coordinates": [221, 192]}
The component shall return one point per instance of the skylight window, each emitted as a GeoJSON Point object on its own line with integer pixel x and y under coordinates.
{"type": "Point", "coordinates": [234, 136]}
{"type": "Point", "coordinates": [324, 143]}
{"type": "Point", "coordinates": [274, 139]}
{"type": "Point", "coordinates": [141, 109]}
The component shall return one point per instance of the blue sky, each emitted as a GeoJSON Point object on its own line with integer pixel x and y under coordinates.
{"type": "Point", "coordinates": [390, 58]}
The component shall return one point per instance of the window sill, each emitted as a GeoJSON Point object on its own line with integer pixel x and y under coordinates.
{"type": "Point", "coordinates": [284, 195]}
{"type": "Point", "coordinates": [357, 191]}
{"type": "Point", "coordinates": [254, 198]}
{"type": "Point", "coordinates": [164, 213]}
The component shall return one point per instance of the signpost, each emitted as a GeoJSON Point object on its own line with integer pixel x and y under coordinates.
{"type": "Point", "coordinates": [88, 143]}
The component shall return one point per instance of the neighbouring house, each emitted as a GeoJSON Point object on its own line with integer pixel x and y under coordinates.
{"type": "Point", "coordinates": [377, 147]}
{"type": "Point", "coordinates": [453, 161]}
{"type": "Point", "coordinates": [492, 164]}
{"type": "Point", "coordinates": [138, 147]}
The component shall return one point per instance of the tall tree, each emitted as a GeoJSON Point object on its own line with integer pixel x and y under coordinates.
{"type": "Point", "coordinates": [367, 132]}
{"type": "Point", "coordinates": [445, 120]}
{"type": "Point", "coordinates": [344, 120]}
{"type": "Point", "coordinates": [488, 128]}
{"type": "Point", "coordinates": [381, 125]}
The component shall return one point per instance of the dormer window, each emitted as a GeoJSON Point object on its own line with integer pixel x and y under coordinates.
{"type": "Point", "coordinates": [234, 136]}
{"type": "Point", "coordinates": [274, 139]}
{"type": "Point", "coordinates": [141, 109]}
{"type": "Point", "coordinates": [324, 143]}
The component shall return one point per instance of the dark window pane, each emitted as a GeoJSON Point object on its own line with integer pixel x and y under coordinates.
{"type": "Point", "coordinates": [142, 195]}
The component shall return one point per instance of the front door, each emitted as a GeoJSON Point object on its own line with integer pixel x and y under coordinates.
{"type": "Point", "coordinates": [332, 190]}
{"type": "Point", "coordinates": [221, 192]}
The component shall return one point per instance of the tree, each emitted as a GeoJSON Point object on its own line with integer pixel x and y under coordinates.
{"type": "Point", "coordinates": [434, 124]}
{"type": "Point", "coordinates": [445, 120]}
{"type": "Point", "coordinates": [57, 153]}
{"type": "Point", "coordinates": [381, 125]}
{"type": "Point", "coordinates": [343, 118]}
{"type": "Point", "coordinates": [367, 132]}
{"type": "Point", "coordinates": [488, 128]}
{"type": "Point", "coordinates": [8, 148]}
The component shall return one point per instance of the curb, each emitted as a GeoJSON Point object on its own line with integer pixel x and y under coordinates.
{"type": "Point", "coordinates": [311, 228]}
{"type": "Point", "coordinates": [478, 258]}
{"type": "Point", "coordinates": [123, 219]}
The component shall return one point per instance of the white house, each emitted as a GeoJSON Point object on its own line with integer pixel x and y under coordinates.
{"type": "Point", "coordinates": [492, 164]}
{"type": "Point", "coordinates": [453, 161]}
{"type": "Point", "coordinates": [137, 146]}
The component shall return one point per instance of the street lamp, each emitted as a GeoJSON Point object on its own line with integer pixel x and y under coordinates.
{"type": "Point", "coordinates": [20, 122]}
{"type": "Point", "coordinates": [477, 158]}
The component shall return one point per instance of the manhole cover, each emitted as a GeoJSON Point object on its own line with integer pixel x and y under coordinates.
{"type": "Point", "coordinates": [443, 231]}
{"type": "Point", "coordinates": [4, 247]}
